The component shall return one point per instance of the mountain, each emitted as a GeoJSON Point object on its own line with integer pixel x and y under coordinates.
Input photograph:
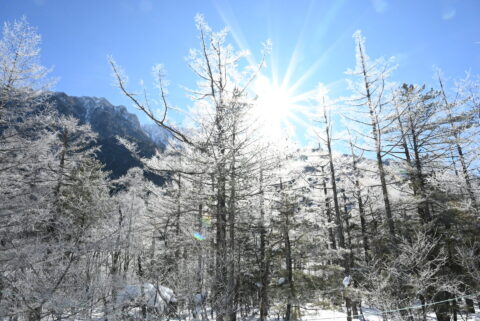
{"type": "Point", "coordinates": [109, 121]}
{"type": "Point", "coordinates": [157, 134]}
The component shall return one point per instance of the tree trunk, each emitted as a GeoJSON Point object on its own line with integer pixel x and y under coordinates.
{"type": "Point", "coordinates": [442, 310]}
{"type": "Point", "coordinates": [376, 137]}
{"type": "Point", "coordinates": [424, 308]}
{"type": "Point", "coordinates": [470, 305]}
{"type": "Point", "coordinates": [419, 181]}
{"type": "Point", "coordinates": [221, 246]}
{"type": "Point", "coordinates": [331, 235]}
{"type": "Point", "coordinates": [221, 257]}
{"type": "Point", "coordinates": [35, 314]}
{"type": "Point", "coordinates": [178, 214]}
{"type": "Point", "coordinates": [347, 226]}
{"type": "Point", "coordinates": [141, 275]}
{"type": "Point", "coordinates": [286, 212]}
{"type": "Point", "coordinates": [416, 178]}
{"type": "Point", "coordinates": [231, 293]}
{"type": "Point", "coordinates": [338, 218]}
{"type": "Point", "coordinates": [199, 285]}
{"type": "Point", "coordinates": [264, 258]}
{"type": "Point", "coordinates": [458, 146]}
{"type": "Point", "coordinates": [114, 270]}
{"type": "Point", "coordinates": [289, 266]}
{"type": "Point", "coordinates": [361, 208]}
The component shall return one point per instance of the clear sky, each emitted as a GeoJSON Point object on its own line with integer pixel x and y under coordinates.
{"type": "Point", "coordinates": [312, 39]}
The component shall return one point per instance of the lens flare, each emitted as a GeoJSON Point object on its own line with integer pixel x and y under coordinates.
{"type": "Point", "coordinates": [206, 221]}
{"type": "Point", "coordinates": [198, 236]}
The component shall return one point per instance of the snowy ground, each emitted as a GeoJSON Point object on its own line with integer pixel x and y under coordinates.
{"type": "Point", "coordinates": [317, 314]}
{"type": "Point", "coordinates": [369, 314]}
{"type": "Point", "coordinates": [321, 314]}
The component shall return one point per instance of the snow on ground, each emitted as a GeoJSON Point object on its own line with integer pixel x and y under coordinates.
{"type": "Point", "coordinates": [321, 314]}
{"type": "Point", "coordinates": [370, 314]}
{"type": "Point", "coordinates": [311, 313]}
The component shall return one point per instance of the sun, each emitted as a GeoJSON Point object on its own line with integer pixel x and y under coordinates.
{"type": "Point", "coordinates": [273, 101]}
{"type": "Point", "coordinates": [276, 108]}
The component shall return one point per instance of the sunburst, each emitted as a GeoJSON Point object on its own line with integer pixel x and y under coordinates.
{"type": "Point", "coordinates": [284, 108]}
{"type": "Point", "coordinates": [279, 110]}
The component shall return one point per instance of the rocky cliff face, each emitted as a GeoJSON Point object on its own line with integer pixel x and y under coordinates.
{"type": "Point", "coordinates": [110, 121]}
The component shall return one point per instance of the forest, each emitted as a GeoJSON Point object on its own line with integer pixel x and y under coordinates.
{"type": "Point", "coordinates": [380, 216]}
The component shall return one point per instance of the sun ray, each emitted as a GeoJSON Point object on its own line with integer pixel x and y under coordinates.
{"type": "Point", "coordinates": [329, 17]}
{"type": "Point", "coordinates": [229, 19]}
{"type": "Point", "coordinates": [282, 105]}
{"type": "Point", "coordinates": [318, 63]}
{"type": "Point", "coordinates": [280, 111]}
{"type": "Point", "coordinates": [294, 60]}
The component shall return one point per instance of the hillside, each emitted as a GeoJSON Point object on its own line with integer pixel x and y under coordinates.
{"type": "Point", "coordinates": [109, 121]}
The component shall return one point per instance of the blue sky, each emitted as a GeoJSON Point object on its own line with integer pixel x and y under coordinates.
{"type": "Point", "coordinates": [313, 37]}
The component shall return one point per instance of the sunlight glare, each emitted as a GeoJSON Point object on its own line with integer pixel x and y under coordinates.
{"type": "Point", "coordinates": [273, 100]}
{"type": "Point", "coordinates": [274, 106]}
{"type": "Point", "coordinates": [279, 111]}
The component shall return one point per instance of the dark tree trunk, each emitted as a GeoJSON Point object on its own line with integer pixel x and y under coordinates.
{"type": "Point", "coordinates": [456, 135]}
{"type": "Point", "coordinates": [331, 235]}
{"type": "Point", "coordinates": [442, 310]}
{"type": "Point", "coordinates": [221, 257]}
{"type": "Point", "coordinates": [141, 276]}
{"type": "Point", "coordinates": [455, 310]}
{"type": "Point", "coordinates": [361, 208]}
{"type": "Point", "coordinates": [470, 305]}
{"type": "Point", "coordinates": [419, 180]}
{"type": "Point", "coordinates": [347, 226]}
{"type": "Point", "coordinates": [35, 314]}
{"type": "Point", "coordinates": [338, 215]}
{"type": "Point", "coordinates": [376, 137]}
{"type": "Point", "coordinates": [424, 308]}
{"type": "Point", "coordinates": [221, 273]}
{"type": "Point", "coordinates": [348, 305]}
{"type": "Point", "coordinates": [114, 270]}
{"type": "Point", "coordinates": [264, 257]}
{"type": "Point", "coordinates": [231, 292]}
{"type": "Point", "coordinates": [178, 215]}
{"type": "Point", "coordinates": [289, 265]}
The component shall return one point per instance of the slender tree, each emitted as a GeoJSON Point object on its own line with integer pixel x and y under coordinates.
{"type": "Point", "coordinates": [369, 93]}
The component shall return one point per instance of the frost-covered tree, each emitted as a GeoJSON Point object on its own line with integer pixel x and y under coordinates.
{"type": "Point", "coordinates": [54, 193]}
{"type": "Point", "coordinates": [369, 95]}
{"type": "Point", "coordinates": [65, 209]}
{"type": "Point", "coordinates": [327, 139]}
{"type": "Point", "coordinates": [22, 77]}
{"type": "Point", "coordinates": [418, 139]}
{"type": "Point", "coordinates": [221, 152]}
{"type": "Point", "coordinates": [460, 121]}
{"type": "Point", "coordinates": [24, 143]}
{"type": "Point", "coordinates": [412, 275]}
